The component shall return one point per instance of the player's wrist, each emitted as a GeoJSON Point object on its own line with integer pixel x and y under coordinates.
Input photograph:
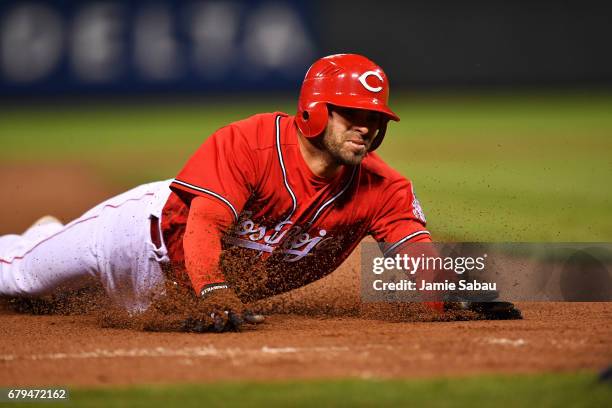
{"type": "Point", "coordinates": [207, 290]}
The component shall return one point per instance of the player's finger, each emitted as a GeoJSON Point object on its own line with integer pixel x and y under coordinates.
{"type": "Point", "coordinates": [253, 318]}
{"type": "Point", "coordinates": [219, 321]}
{"type": "Point", "coordinates": [187, 324]}
{"type": "Point", "coordinates": [199, 326]}
{"type": "Point", "coordinates": [234, 321]}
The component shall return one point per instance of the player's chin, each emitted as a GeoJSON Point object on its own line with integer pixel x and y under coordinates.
{"type": "Point", "coordinates": [352, 158]}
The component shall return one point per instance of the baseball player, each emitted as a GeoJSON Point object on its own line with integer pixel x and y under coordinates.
{"type": "Point", "coordinates": [289, 196]}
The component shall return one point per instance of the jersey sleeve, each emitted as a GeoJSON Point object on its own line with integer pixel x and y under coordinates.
{"type": "Point", "coordinates": [223, 169]}
{"type": "Point", "coordinates": [400, 218]}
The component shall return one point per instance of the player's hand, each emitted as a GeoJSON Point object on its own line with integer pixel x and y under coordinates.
{"type": "Point", "coordinates": [221, 310]}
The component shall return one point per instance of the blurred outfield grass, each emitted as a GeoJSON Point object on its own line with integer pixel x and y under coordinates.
{"type": "Point", "coordinates": [542, 390]}
{"type": "Point", "coordinates": [486, 167]}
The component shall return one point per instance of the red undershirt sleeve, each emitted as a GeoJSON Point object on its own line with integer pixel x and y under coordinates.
{"type": "Point", "coordinates": [207, 222]}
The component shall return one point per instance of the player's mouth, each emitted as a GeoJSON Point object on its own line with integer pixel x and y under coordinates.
{"type": "Point", "coordinates": [357, 145]}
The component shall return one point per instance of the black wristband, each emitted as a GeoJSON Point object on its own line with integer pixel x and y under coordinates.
{"type": "Point", "coordinates": [210, 288]}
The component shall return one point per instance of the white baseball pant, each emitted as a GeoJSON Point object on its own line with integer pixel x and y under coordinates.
{"type": "Point", "coordinates": [111, 242]}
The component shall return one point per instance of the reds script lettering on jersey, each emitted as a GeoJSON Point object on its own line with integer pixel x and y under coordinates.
{"type": "Point", "coordinates": [299, 225]}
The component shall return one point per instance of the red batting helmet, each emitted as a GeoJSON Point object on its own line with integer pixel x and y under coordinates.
{"type": "Point", "coordinates": [347, 80]}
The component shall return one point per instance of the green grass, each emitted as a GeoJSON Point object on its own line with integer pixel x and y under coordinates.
{"type": "Point", "coordinates": [520, 167]}
{"type": "Point", "coordinates": [510, 168]}
{"type": "Point", "coordinates": [127, 143]}
{"type": "Point", "coordinates": [543, 390]}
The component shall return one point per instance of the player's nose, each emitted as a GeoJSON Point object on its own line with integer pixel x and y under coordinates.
{"type": "Point", "coordinates": [366, 132]}
{"type": "Point", "coordinates": [365, 126]}
{"type": "Point", "coordinates": [363, 129]}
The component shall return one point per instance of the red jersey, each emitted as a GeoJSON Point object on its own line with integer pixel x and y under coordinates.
{"type": "Point", "coordinates": [301, 226]}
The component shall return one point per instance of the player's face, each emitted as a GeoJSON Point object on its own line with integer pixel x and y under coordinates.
{"type": "Point", "coordinates": [349, 133]}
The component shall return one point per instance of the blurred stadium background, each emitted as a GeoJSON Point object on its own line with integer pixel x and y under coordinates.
{"type": "Point", "coordinates": [506, 106]}
{"type": "Point", "coordinates": [59, 47]}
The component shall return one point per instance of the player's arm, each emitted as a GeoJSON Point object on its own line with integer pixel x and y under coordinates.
{"type": "Point", "coordinates": [206, 224]}
{"type": "Point", "coordinates": [221, 308]}
{"type": "Point", "coordinates": [400, 222]}
{"type": "Point", "coordinates": [215, 183]}
{"type": "Point", "coordinates": [400, 219]}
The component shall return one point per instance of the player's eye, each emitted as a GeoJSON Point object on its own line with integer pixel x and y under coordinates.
{"type": "Point", "coordinates": [373, 117]}
{"type": "Point", "coordinates": [359, 116]}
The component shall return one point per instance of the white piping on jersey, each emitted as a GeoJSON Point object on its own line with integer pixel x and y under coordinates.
{"type": "Point", "coordinates": [401, 241]}
{"type": "Point", "coordinates": [331, 200]}
{"type": "Point", "coordinates": [282, 164]}
{"type": "Point", "coordinates": [212, 193]}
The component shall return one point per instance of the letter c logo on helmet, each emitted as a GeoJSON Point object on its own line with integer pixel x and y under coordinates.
{"type": "Point", "coordinates": [346, 80]}
{"type": "Point", "coordinates": [363, 78]}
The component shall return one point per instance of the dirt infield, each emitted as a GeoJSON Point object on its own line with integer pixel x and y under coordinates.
{"type": "Point", "coordinates": [74, 350]}
{"type": "Point", "coordinates": [320, 338]}
{"type": "Point", "coordinates": [318, 335]}
{"type": "Point", "coordinates": [30, 191]}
